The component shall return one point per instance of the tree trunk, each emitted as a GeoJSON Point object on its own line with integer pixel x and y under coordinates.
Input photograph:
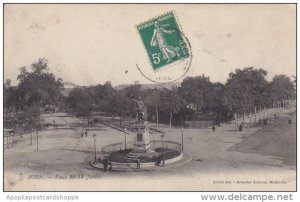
{"type": "Point", "coordinates": [235, 119]}
{"type": "Point", "coordinates": [260, 116]}
{"type": "Point", "coordinates": [121, 120]}
{"type": "Point", "coordinates": [243, 106]}
{"type": "Point", "coordinates": [255, 114]}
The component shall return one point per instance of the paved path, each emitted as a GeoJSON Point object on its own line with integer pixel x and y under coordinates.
{"type": "Point", "coordinates": [276, 139]}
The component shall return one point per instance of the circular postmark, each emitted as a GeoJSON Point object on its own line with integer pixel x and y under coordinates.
{"type": "Point", "coordinates": [168, 54]}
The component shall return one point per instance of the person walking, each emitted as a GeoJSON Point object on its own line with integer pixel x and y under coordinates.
{"type": "Point", "coordinates": [105, 163]}
{"type": "Point", "coordinates": [110, 165]}
{"type": "Point", "coordinates": [158, 160]}
{"type": "Point", "coordinates": [138, 163]}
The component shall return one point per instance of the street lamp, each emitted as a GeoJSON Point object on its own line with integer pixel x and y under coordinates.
{"type": "Point", "coordinates": [30, 137]}
{"type": "Point", "coordinates": [94, 137]}
{"type": "Point", "coordinates": [255, 114]}
{"type": "Point", "coordinates": [125, 138]}
{"type": "Point", "coordinates": [181, 138]}
{"type": "Point", "coordinates": [12, 140]}
{"type": "Point", "coordinates": [162, 139]}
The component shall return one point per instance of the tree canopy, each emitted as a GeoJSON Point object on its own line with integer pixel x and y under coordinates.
{"type": "Point", "coordinates": [35, 89]}
{"type": "Point", "coordinates": [247, 88]}
{"type": "Point", "coordinates": [196, 98]}
{"type": "Point", "coordinates": [38, 87]}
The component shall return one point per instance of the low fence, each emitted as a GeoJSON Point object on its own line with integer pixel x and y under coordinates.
{"type": "Point", "coordinates": [116, 147]}
{"type": "Point", "coordinates": [165, 144]}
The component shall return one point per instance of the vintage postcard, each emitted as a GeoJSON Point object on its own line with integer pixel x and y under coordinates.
{"type": "Point", "coordinates": [149, 97]}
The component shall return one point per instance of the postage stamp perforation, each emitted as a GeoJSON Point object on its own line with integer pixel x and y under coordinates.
{"type": "Point", "coordinates": [141, 40]}
{"type": "Point", "coordinates": [153, 18]}
{"type": "Point", "coordinates": [178, 22]}
{"type": "Point", "coordinates": [168, 66]}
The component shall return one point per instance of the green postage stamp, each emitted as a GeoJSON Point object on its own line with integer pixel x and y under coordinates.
{"type": "Point", "coordinates": [163, 40]}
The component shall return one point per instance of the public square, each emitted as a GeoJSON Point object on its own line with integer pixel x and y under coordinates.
{"type": "Point", "coordinates": [62, 152]}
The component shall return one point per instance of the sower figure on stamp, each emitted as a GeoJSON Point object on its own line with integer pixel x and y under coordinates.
{"type": "Point", "coordinates": [141, 109]}
{"type": "Point", "coordinates": [158, 39]}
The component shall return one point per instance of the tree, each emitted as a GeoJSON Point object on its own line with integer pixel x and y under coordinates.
{"type": "Point", "coordinates": [220, 107]}
{"type": "Point", "coordinates": [171, 103]}
{"type": "Point", "coordinates": [246, 88]}
{"type": "Point", "coordinates": [12, 99]}
{"type": "Point", "coordinates": [125, 95]}
{"type": "Point", "coordinates": [176, 105]}
{"type": "Point", "coordinates": [281, 88]}
{"type": "Point", "coordinates": [6, 94]}
{"type": "Point", "coordinates": [38, 87]}
{"type": "Point", "coordinates": [152, 101]}
{"type": "Point", "coordinates": [80, 102]}
{"type": "Point", "coordinates": [197, 91]}
{"type": "Point", "coordinates": [103, 98]}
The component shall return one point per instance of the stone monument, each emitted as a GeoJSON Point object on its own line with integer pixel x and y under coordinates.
{"type": "Point", "coordinates": [141, 146]}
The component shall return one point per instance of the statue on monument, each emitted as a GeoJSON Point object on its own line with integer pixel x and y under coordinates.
{"type": "Point", "coordinates": [141, 109]}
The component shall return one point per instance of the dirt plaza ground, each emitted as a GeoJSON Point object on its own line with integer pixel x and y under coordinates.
{"type": "Point", "coordinates": [256, 153]}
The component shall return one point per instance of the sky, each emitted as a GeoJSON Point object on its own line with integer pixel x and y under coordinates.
{"type": "Point", "coordinates": [92, 44]}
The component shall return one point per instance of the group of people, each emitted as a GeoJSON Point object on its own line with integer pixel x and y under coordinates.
{"type": "Point", "coordinates": [159, 161]}
{"type": "Point", "coordinates": [107, 164]}
{"type": "Point", "coordinates": [266, 120]}
{"type": "Point", "coordinates": [84, 133]}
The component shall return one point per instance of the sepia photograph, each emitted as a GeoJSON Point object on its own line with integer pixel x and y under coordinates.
{"type": "Point", "coordinates": [149, 97]}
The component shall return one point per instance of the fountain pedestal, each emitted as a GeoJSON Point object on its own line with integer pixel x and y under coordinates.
{"type": "Point", "coordinates": [141, 146]}
{"type": "Point", "coordinates": [141, 140]}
